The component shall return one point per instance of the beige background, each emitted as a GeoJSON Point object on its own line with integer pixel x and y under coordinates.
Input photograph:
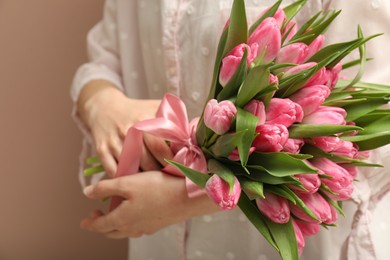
{"type": "Point", "coordinates": [42, 42]}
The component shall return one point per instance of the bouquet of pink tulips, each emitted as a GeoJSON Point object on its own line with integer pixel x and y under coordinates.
{"type": "Point", "coordinates": [281, 134]}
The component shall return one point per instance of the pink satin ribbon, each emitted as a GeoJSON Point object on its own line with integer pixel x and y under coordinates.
{"type": "Point", "coordinates": [171, 124]}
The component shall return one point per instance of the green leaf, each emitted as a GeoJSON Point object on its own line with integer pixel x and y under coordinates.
{"type": "Point", "coordinates": [354, 63]}
{"type": "Point", "coordinates": [320, 28]}
{"type": "Point", "coordinates": [307, 131]}
{"type": "Point", "coordinates": [305, 27]}
{"type": "Point", "coordinates": [359, 109]}
{"type": "Point", "coordinates": [235, 82]}
{"type": "Point", "coordinates": [197, 177]}
{"type": "Point", "coordinates": [362, 52]}
{"type": "Point", "coordinates": [271, 12]}
{"type": "Point", "coordinates": [372, 117]}
{"type": "Point", "coordinates": [336, 96]}
{"type": "Point", "coordinates": [281, 192]}
{"type": "Point", "coordinates": [238, 27]}
{"type": "Point", "coordinates": [318, 153]}
{"type": "Point", "coordinates": [371, 86]}
{"type": "Point", "coordinates": [301, 156]}
{"type": "Point", "coordinates": [246, 122]}
{"type": "Point", "coordinates": [284, 237]}
{"type": "Point", "coordinates": [254, 216]}
{"type": "Point", "coordinates": [279, 164]}
{"type": "Point", "coordinates": [93, 170]}
{"type": "Point", "coordinates": [93, 160]}
{"type": "Point", "coordinates": [256, 81]}
{"type": "Point", "coordinates": [292, 10]}
{"type": "Point", "coordinates": [224, 172]}
{"type": "Point", "coordinates": [226, 143]}
{"type": "Point", "coordinates": [342, 103]}
{"type": "Point", "coordinates": [333, 203]}
{"type": "Point", "coordinates": [253, 189]}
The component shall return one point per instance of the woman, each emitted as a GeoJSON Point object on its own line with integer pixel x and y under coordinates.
{"type": "Point", "coordinates": [139, 51]}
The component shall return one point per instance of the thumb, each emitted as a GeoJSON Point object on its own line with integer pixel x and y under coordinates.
{"type": "Point", "coordinates": [107, 188]}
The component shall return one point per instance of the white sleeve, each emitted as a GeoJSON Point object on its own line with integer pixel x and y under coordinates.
{"type": "Point", "coordinates": [103, 53]}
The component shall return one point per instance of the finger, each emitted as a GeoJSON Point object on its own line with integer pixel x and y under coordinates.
{"type": "Point", "coordinates": [106, 158]}
{"type": "Point", "coordinates": [115, 145]}
{"type": "Point", "coordinates": [108, 188]}
{"type": "Point", "coordinates": [117, 235]}
{"type": "Point", "coordinates": [106, 223]}
{"type": "Point", "coordinates": [148, 162]}
{"type": "Point", "coordinates": [158, 148]}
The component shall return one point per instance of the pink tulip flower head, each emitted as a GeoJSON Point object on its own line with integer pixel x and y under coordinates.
{"type": "Point", "coordinates": [268, 38]}
{"type": "Point", "coordinates": [335, 145]}
{"type": "Point", "coordinates": [274, 207]}
{"type": "Point", "coordinates": [283, 111]}
{"type": "Point", "coordinates": [218, 116]}
{"type": "Point", "coordinates": [293, 145]}
{"type": "Point", "coordinates": [333, 75]}
{"type": "Point", "coordinates": [218, 190]}
{"type": "Point", "coordinates": [308, 229]}
{"type": "Point", "coordinates": [326, 116]}
{"type": "Point", "coordinates": [299, 237]}
{"type": "Point", "coordinates": [315, 46]}
{"type": "Point", "coordinates": [318, 205]}
{"type": "Point", "coordinates": [341, 182]}
{"type": "Point", "coordinates": [311, 182]}
{"type": "Point", "coordinates": [256, 108]}
{"type": "Point", "coordinates": [291, 29]}
{"type": "Point", "coordinates": [295, 53]}
{"type": "Point", "coordinates": [271, 138]}
{"type": "Point", "coordinates": [311, 98]}
{"type": "Point", "coordinates": [233, 59]}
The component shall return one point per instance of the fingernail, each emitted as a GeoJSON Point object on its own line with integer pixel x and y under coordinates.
{"type": "Point", "coordinates": [88, 190]}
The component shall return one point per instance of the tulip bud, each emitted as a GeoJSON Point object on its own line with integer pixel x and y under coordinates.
{"type": "Point", "coordinates": [308, 229]}
{"type": "Point", "coordinates": [293, 145]}
{"type": "Point", "coordinates": [310, 98]}
{"type": "Point", "coordinates": [326, 116]}
{"type": "Point", "coordinates": [271, 138]}
{"type": "Point", "coordinates": [267, 36]}
{"type": "Point", "coordinates": [219, 191]}
{"type": "Point", "coordinates": [311, 182]}
{"type": "Point", "coordinates": [256, 108]}
{"type": "Point", "coordinates": [294, 53]}
{"type": "Point", "coordinates": [315, 46]}
{"type": "Point", "coordinates": [335, 145]}
{"type": "Point", "coordinates": [291, 29]}
{"type": "Point", "coordinates": [233, 59]}
{"type": "Point", "coordinates": [235, 156]}
{"type": "Point", "coordinates": [299, 237]}
{"type": "Point", "coordinates": [341, 182]}
{"type": "Point", "coordinates": [351, 169]}
{"type": "Point", "coordinates": [318, 205]}
{"type": "Point", "coordinates": [218, 116]}
{"type": "Point", "coordinates": [333, 75]}
{"type": "Point", "coordinates": [274, 207]}
{"type": "Point", "coordinates": [283, 111]}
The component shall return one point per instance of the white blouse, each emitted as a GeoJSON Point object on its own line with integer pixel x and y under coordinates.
{"type": "Point", "coordinates": [149, 47]}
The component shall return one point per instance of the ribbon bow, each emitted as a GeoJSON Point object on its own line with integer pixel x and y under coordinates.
{"type": "Point", "coordinates": [171, 124]}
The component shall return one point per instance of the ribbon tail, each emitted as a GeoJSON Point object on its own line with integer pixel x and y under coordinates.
{"type": "Point", "coordinates": [129, 160]}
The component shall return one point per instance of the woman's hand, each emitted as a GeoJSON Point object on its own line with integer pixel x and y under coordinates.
{"type": "Point", "coordinates": [152, 200]}
{"type": "Point", "coordinates": [108, 113]}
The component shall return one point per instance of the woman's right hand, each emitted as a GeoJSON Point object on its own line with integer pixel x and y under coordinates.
{"type": "Point", "coordinates": [108, 113]}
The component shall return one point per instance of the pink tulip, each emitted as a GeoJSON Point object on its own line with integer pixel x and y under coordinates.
{"type": "Point", "coordinates": [283, 111]}
{"type": "Point", "coordinates": [351, 169]}
{"type": "Point", "coordinates": [315, 46]}
{"type": "Point", "coordinates": [333, 75]}
{"type": "Point", "coordinates": [326, 116]}
{"type": "Point", "coordinates": [273, 79]}
{"type": "Point", "coordinates": [235, 156]}
{"type": "Point", "coordinates": [267, 36]}
{"type": "Point", "coordinates": [310, 98]}
{"type": "Point", "coordinates": [308, 229]}
{"type": "Point", "coordinates": [341, 181]}
{"type": "Point", "coordinates": [218, 116]}
{"type": "Point", "coordinates": [311, 182]}
{"type": "Point", "coordinates": [334, 217]}
{"type": "Point", "coordinates": [274, 207]}
{"type": "Point", "coordinates": [335, 145]}
{"type": "Point", "coordinates": [233, 59]}
{"type": "Point", "coordinates": [256, 108]}
{"type": "Point", "coordinates": [363, 155]}
{"type": "Point", "coordinates": [219, 191]}
{"type": "Point", "coordinates": [299, 237]}
{"type": "Point", "coordinates": [271, 138]}
{"type": "Point", "coordinates": [279, 16]}
{"type": "Point", "coordinates": [299, 68]}
{"type": "Point", "coordinates": [319, 78]}
{"type": "Point", "coordinates": [293, 145]}
{"type": "Point", "coordinates": [318, 205]}
{"type": "Point", "coordinates": [291, 29]}
{"type": "Point", "coordinates": [294, 53]}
